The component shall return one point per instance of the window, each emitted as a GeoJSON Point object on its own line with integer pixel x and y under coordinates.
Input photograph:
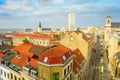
{"type": "Point", "coordinates": [68, 78]}
{"type": "Point", "coordinates": [34, 73]}
{"type": "Point", "coordinates": [64, 58]}
{"type": "Point", "coordinates": [64, 72]}
{"type": "Point", "coordinates": [68, 68]}
{"type": "Point", "coordinates": [108, 21]}
{"type": "Point", "coordinates": [45, 59]}
{"type": "Point", "coordinates": [43, 42]}
{"type": "Point", "coordinates": [118, 42]}
{"type": "Point", "coordinates": [4, 73]}
{"type": "Point", "coordinates": [71, 38]}
{"type": "Point", "coordinates": [56, 76]}
{"type": "Point", "coordinates": [23, 78]}
{"type": "Point", "coordinates": [11, 76]}
{"type": "Point", "coordinates": [15, 77]}
{"type": "Point", "coordinates": [71, 65]}
{"type": "Point", "coordinates": [8, 76]}
{"type": "Point", "coordinates": [19, 79]}
{"type": "Point", "coordinates": [26, 70]}
{"type": "Point", "coordinates": [1, 71]}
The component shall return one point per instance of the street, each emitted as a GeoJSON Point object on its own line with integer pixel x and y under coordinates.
{"type": "Point", "coordinates": [94, 72]}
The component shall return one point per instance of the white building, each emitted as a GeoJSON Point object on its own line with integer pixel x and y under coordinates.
{"type": "Point", "coordinates": [4, 66]}
{"type": "Point", "coordinates": [4, 73]}
{"type": "Point", "coordinates": [71, 21]}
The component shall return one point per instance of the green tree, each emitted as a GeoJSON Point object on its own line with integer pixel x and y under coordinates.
{"type": "Point", "coordinates": [25, 41]}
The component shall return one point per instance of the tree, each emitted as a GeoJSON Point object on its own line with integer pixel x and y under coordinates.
{"type": "Point", "coordinates": [25, 41]}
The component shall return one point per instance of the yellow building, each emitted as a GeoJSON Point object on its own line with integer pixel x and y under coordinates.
{"type": "Point", "coordinates": [76, 39]}
{"type": "Point", "coordinates": [37, 39]}
{"type": "Point", "coordinates": [56, 64]}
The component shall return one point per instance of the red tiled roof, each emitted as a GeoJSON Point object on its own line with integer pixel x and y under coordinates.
{"type": "Point", "coordinates": [24, 48]}
{"type": "Point", "coordinates": [20, 59]}
{"type": "Point", "coordinates": [1, 55]}
{"type": "Point", "coordinates": [77, 62]}
{"type": "Point", "coordinates": [34, 36]}
{"type": "Point", "coordinates": [85, 37]}
{"type": "Point", "coordinates": [33, 62]}
{"type": "Point", "coordinates": [55, 54]}
{"type": "Point", "coordinates": [76, 66]}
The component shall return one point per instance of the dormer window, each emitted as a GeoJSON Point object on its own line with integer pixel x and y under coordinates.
{"type": "Point", "coordinates": [2, 62]}
{"type": "Point", "coordinates": [26, 70]}
{"type": "Point", "coordinates": [45, 59]}
{"type": "Point", "coordinates": [34, 73]}
{"type": "Point", "coordinates": [19, 57]}
{"type": "Point", "coordinates": [64, 58]}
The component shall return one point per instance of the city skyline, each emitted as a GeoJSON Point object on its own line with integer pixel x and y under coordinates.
{"type": "Point", "coordinates": [28, 13]}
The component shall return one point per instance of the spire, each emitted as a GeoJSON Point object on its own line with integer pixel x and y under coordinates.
{"type": "Point", "coordinates": [40, 25]}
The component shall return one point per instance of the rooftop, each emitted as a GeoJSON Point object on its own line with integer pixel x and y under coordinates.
{"type": "Point", "coordinates": [33, 62]}
{"type": "Point", "coordinates": [40, 36]}
{"type": "Point", "coordinates": [37, 50]}
{"type": "Point", "coordinates": [56, 55]}
{"type": "Point", "coordinates": [78, 61]}
{"type": "Point", "coordinates": [20, 59]}
{"type": "Point", "coordinates": [115, 24]}
{"type": "Point", "coordinates": [24, 48]}
{"type": "Point", "coordinates": [1, 55]}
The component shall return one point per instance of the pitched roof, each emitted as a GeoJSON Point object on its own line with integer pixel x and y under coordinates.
{"type": "Point", "coordinates": [78, 60]}
{"type": "Point", "coordinates": [20, 59]}
{"type": "Point", "coordinates": [76, 67]}
{"type": "Point", "coordinates": [37, 50]}
{"type": "Point", "coordinates": [115, 24]}
{"type": "Point", "coordinates": [24, 48]}
{"type": "Point", "coordinates": [9, 56]}
{"type": "Point", "coordinates": [56, 55]}
{"type": "Point", "coordinates": [39, 36]}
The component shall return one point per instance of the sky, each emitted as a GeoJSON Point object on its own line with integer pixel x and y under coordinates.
{"type": "Point", "coordinates": [54, 13]}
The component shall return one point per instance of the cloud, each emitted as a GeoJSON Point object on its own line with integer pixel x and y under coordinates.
{"type": "Point", "coordinates": [28, 13]}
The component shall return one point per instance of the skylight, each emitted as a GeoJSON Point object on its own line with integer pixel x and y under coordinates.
{"type": "Point", "coordinates": [45, 59]}
{"type": "Point", "coordinates": [19, 57]}
{"type": "Point", "coordinates": [64, 58]}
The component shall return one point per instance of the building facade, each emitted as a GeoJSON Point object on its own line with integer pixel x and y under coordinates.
{"type": "Point", "coordinates": [71, 21]}
{"type": "Point", "coordinates": [36, 39]}
{"type": "Point", "coordinates": [76, 39]}
{"type": "Point", "coordinates": [56, 64]}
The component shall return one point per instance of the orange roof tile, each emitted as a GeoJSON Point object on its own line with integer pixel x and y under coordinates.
{"type": "Point", "coordinates": [76, 66]}
{"type": "Point", "coordinates": [20, 59]}
{"type": "Point", "coordinates": [24, 48]}
{"type": "Point", "coordinates": [33, 62]}
{"type": "Point", "coordinates": [55, 55]}
{"type": "Point", "coordinates": [35, 36]}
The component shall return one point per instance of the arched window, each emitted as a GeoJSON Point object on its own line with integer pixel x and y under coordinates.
{"type": "Point", "coordinates": [108, 21]}
{"type": "Point", "coordinates": [15, 77]}
{"type": "Point", "coordinates": [11, 76]}
{"type": "Point", "coordinates": [23, 78]}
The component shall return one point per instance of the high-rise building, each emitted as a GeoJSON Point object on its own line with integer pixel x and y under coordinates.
{"type": "Point", "coordinates": [71, 21]}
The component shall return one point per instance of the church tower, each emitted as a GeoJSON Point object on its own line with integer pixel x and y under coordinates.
{"type": "Point", "coordinates": [40, 28]}
{"type": "Point", "coordinates": [108, 22]}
